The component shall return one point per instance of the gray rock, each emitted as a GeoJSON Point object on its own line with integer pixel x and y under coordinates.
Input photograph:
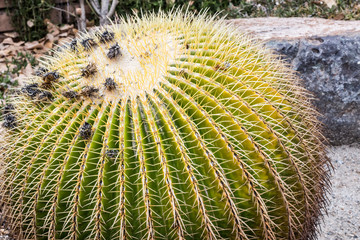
{"type": "Point", "coordinates": [329, 65]}
{"type": "Point", "coordinates": [330, 68]}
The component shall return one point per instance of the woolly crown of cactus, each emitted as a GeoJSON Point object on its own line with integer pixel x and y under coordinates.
{"type": "Point", "coordinates": [168, 126]}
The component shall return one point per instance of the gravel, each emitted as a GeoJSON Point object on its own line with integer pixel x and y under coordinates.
{"type": "Point", "coordinates": [343, 219]}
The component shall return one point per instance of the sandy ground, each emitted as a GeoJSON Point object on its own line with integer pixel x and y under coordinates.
{"type": "Point", "coordinates": [343, 219]}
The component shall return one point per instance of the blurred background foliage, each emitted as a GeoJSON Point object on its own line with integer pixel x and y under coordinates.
{"type": "Point", "coordinates": [33, 12]}
{"type": "Point", "coordinates": [28, 17]}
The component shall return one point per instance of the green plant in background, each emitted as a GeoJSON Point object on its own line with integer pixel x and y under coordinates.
{"type": "Point", "coordinates": [28, 17]}
{"type": "Point", "coordinates": [255, 8]}
{"type": "Point", "coordinates": [14, 66]}
{"type": "Point", "coordinates": [35, 11]}
{"type": "Point", "coordinates": [163, 127]}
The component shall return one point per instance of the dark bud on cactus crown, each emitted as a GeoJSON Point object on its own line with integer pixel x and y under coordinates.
{"type": "Point", "coordinates": [73, 45]}
{"type": "Point", "coordinates": [89, 91]}
{"type": "Point", "coordinates": [114, 51]}
{"type": "Point", "coordinates": [88, 43]}
{"type": "Point", "coordinates": [10, 121]}
{"type": "Point", "coordinates": [112, 154]}
{"type": "Point", "coordinates": [85, 131]}
{"type": "Point", "coordinates": [105, 36]}
{"type": "Point", "coordinates": [110, 84]}
{"type": "Point", "coordinates": [31, 90]}
{"type": "Point", "coordinates": [51, 77]}
{"type": "Point", "coordinates": [45, 96]}
{"type": "Point", "coordinates": [41, 71]}
{"type": "Point", "coordinates": [89, 70]}
{"type": "Point", "coordinates": [8, 108]}
{"type": "Point", "coordinates": [70, 94]}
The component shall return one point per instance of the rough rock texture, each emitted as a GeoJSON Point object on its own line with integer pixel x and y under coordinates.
{"type": "Point", "coordinates": [326, 53]}
{"type": "Point", "coordinates": [330, 68]}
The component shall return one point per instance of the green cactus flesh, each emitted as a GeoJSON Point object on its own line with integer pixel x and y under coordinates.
{"type": "Point", "coordinates": [163, 127]}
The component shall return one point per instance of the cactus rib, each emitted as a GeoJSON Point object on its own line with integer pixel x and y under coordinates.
{"type": "Point", "coordinates": [165, 126]}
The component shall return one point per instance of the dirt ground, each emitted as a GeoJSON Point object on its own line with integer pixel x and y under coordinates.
{"type": "Point", "coordinates": [343, 219]}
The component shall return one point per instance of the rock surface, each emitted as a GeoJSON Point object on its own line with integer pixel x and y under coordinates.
{"type": "Point", "coordinates": [271, 28]}
{"type": "Point", "coordinates": [326, 53]}
{"type": "Point", "coordinates": [330, 68]}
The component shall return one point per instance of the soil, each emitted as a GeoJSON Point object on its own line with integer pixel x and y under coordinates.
{"type": "Point", "coordinates": [343, 219]}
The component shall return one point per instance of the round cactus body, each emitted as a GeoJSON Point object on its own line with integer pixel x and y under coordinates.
{"type": "Point", "coordinates": [162, 127]}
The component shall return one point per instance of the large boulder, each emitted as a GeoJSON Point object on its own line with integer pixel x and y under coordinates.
{"type": "Point", "coordinates": [326, 54]}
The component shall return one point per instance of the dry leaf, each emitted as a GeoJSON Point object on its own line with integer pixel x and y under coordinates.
{"type": "Point", "coordinates": [18, 44]}
{"type": "Point", "coordinates": [74, 31]}
{"type": "Point", "coordinates": [4, 53]}
{"type": "Point", "coordinates": [13, 49]}
{"type": "Point", "coordinates": [33, 45]}
{"type": "Point", "coordinates": [330, 3]}
{"type": "Point", "coordinates": [3, 67]}
{"type": "Point", "coordinates": [65, 28]}
{"type": "Point", "coordinates": [11, 34]}
{"type": "Point", "coordinates": [64, 40]}
{"type": "Point", "coordinates": [52, 28]}
{"type": "Point", "coordinates": [28, 71]}
{"type": "Point", "coordinates": [21, 79]}
{"type": "Point", "coordinates": [8, 41]}
{"type": "Point", "coordinates": [48, 44]}
{"type": "Point", "coordinates": [65, 34]}
{"type": "Point", "coordinates": [339, 16]}
{"type": "Point", "coordinates": [55, 32]}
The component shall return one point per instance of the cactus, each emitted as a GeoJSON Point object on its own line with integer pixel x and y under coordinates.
{"type": "Point", "coordinates": [168, 126]}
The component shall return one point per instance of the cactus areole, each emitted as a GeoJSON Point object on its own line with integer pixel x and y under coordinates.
{"type": "Point", "coordinates": [168, 126]}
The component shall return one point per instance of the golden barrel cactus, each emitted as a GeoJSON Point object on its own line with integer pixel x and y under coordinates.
{"type": "Point", "coordinates": [169, 126]}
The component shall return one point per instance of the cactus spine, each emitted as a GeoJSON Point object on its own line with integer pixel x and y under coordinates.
{"type": "Point", "coordinates": [163, 127]}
